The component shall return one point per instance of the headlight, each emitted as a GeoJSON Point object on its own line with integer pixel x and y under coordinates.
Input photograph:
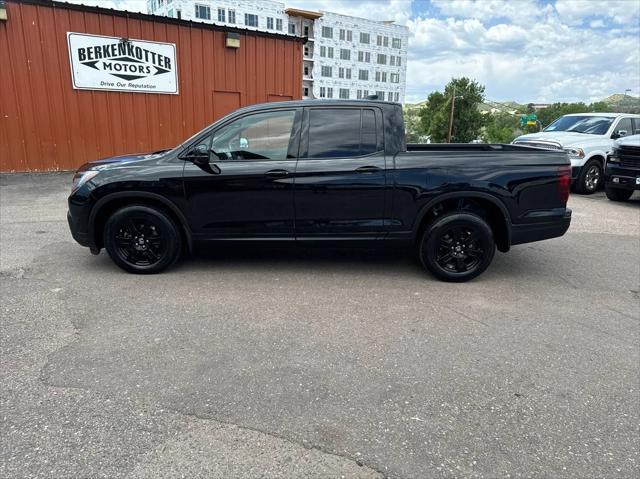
{"type": "Point", "coordinates": [81, 177]}
{"type": "Point", "coordinates": [575, 152]}
{"type": "Point", "coordinates": [613, 156]}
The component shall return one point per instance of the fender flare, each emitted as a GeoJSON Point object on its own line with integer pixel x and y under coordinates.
{"type": "Point", "coordinates": [105, 200]}
{"type": "Point", "coordinates": [465, 194]}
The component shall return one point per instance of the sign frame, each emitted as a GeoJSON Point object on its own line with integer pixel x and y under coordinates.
{"type": "Point", "coordinates": [77, 85]}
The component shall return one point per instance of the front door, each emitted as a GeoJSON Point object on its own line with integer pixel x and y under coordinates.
{"type": "Point", "coordinates": [246, 189]}
{"type": "Point", "coordinates": [341, 174]}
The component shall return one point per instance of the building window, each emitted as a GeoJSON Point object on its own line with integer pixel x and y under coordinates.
{"type": "Point", "coordinates": [359, 94]}
{"type": "Point", "coordinates": [380, 95]}
{"type": "Point", "coordinates": [363, 74]}
{"type": "Point", "coordinates": [349, 36]}
{"type": "Point", "coordinates": [170, 13]}
{"type": "Point", "coordinates": [384, 77]}
{"type": "Point", "coordinates": [398, 61]}
{"type": "Point", "coordinates": [292, 28]}
{"type": "Point", "coordinates": [330, 52]}
{"type": "Point", "coordinates": [250, 20]}
{"type": "Point", "coordinates": [379, 40]}
{"type": "Point", "coordinates": [179, 14]}
{"type": "Point", "coordinates": [306, 51]}
{"type": "Point", "coordinates": [381, 59]}
{"type": "Point", "coordinates": [279, 24]}
{"type": "Point", "coordinates": [323, 51]}
{"type": "Point", "coordinates": [395, 78]}
{"type": "Point", "coordinates": [326, 71]}
{"type": "Point", "coordinates": [270, 23]}
{"type": "Point", "coordinates": [367, 57]}
{"type": "Point", "coordinates": [327, 32]}
{"type": "Point", "coordinates": [392, 60]}
{"type": "Point", "coordinates": [377, 76]}
{"type": "Point", "coordinates": [323, 92]}
{"type": "Point", "coordinates": [232, 16]}
{"type": "Point", "coordinates": [221, 15]}
{"type": "Point", "coordinates": [203, 12]}
{"type": "Point", "coordinates": [329, 92]}
{"type": "Point", "coordinates": [344, 93]}
{"type": "Point", "coordinates": [306, 30]}
{"type": "Point", "coordinates": [306, 70]}
{"type": "Point", "coordinates": [396, 43]}
{"type": "Point", "coordinates": [305, 91]}
{"type": "Point", "coordinates": [348, 73]}
{"type": "Point", "coordinates": [397, 96]}
{"type": "Point", "coordinates": [365, 93]}
{"type": "Point", "coordinates": [386, 41]}
{"type": "Point", "coordinates": [361, 56]}
{"type": "Point", "coordinates": [340, 72]}
{"type": "Point", "coordinates": [343, 35]}
{"type": "Point", "coordinates": [364, 37]}
{"type": "Point", "coordinates": [345, 54]}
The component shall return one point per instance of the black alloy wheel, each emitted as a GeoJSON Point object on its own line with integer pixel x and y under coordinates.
{"type": "Point", "coordinates": [457, 247]}
{"type": "Point", "coordinates": [142, 239]}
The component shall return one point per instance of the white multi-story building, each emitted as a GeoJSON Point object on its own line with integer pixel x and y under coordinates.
{"type": "Point", "coordinates": [344, 57]}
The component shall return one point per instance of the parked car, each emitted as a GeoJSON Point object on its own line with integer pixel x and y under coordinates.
{"type": "Point", "coordinates": [622, 172]}
{"type": "Point", "coordinates": [321, 170]}
{"type": "Point", "coordinates": [587, 138]}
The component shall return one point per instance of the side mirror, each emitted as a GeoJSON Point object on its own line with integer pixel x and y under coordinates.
{"type": "Point", "coordinates": [198, 155]}
{"type": "Point", "coordinates": [618, 134]}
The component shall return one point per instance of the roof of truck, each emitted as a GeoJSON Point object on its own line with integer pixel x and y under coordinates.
{"type": "Point", "coordinates": [321, 102]}
{"type": "Point", "coordinates": [602, 114]}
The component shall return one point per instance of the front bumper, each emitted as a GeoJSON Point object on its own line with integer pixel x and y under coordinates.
{"type": "Point", "coordinates": [552, 227]}
{"type": "Point", "coordinates": [621, 177]}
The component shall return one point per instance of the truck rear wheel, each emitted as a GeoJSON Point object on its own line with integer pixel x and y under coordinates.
{"type": "Point", "coordinates": [457, 247]}
{"type": "Point", "coordinates": [618, 194]}
{"type": "Point", "coordinates": [142, 239]}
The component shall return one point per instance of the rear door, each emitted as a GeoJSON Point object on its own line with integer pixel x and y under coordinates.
{"type": "Point", "coordinates": [340, 176]}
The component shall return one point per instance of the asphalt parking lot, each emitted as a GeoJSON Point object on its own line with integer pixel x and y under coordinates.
{"type": "Point", "coordinates": [314, 363]}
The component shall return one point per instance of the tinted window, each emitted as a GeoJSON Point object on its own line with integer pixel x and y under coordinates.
{"type": "Point", "coordinates": [625, 125]}
{"type": "Point", "coordinates": [341, 133]}
{"type": "Point", "coordinates": [368, 133]}
{"type": "Point", "coordinates": [263, 136]}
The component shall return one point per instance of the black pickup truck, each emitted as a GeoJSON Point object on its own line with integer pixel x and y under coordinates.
{"type": "Point", "coordinates": [321, 171]}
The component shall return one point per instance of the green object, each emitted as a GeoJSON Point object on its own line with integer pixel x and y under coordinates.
{"type": "Point", "coordinates": [530, 119]}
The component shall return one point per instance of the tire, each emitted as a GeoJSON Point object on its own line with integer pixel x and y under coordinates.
{"type": "Point", "coordinates": [142, 239]}
{"type": "Point", "coordinates": [445, 247]}
{"type": "Point", "coordinates": [590, 177]}
{"type": "Point", "coordinates": [618, 194]}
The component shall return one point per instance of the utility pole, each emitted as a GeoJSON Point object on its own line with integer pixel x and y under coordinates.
{"type": "Point", "coordinates": [453, 103]}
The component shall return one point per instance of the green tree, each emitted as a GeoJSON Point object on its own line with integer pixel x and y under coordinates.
{"type": "Point", "coordinates": [467, 119]}
{"type": "Point", "coordinates": [501, 128]}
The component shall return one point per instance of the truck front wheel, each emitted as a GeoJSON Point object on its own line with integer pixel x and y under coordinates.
{"type": "Point", "coordinates": [589, 178]}
{"type": "Point", "coordinates": [457, 247]}
{"type": "Point", "coordinates": [142, 239]}
{"type": "Point", "coordinates": [618, 194]}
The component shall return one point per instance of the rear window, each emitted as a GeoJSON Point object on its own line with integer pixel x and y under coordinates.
{"type": "Point", "coordinates": [341, 132]}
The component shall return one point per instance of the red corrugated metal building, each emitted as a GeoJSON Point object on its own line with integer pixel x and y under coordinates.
{"type": "Point", "coordinates": [46, 124]}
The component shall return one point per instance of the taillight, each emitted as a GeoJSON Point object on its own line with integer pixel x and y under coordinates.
{"type": "Point", "coordinates": [564, 183]}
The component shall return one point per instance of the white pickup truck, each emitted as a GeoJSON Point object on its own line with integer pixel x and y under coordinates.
{"type": "Point", "coordinates": [587, 138]}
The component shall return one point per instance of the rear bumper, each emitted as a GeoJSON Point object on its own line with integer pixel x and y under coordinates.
{"type": "Point", "coordinates": [551, 228]}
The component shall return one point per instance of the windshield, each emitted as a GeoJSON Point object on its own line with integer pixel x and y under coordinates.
{"type": "Point", "coordinates": [594, 125]}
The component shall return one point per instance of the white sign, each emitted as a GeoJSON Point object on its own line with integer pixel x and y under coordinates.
{"type": "Point", "coordinates": [122, 64]}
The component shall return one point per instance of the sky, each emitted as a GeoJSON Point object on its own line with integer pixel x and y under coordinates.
{"type": "Point", "coordinates": [537, 51]}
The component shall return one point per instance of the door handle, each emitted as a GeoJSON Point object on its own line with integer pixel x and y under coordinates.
{"type": "Point", "coordinates": [277, 173]}
{"type": "Point", "coordinates": [368, 169]}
